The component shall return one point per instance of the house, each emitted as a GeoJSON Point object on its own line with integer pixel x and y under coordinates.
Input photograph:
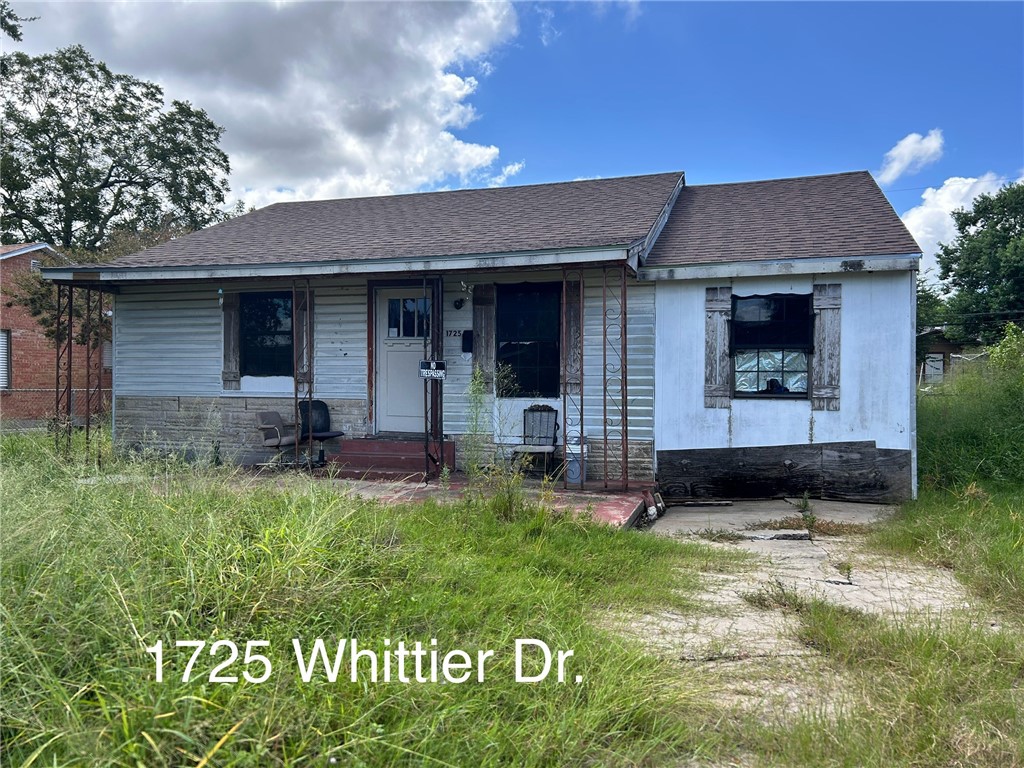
{"type": "Point", "coordinates": [721, 340]}
{"type": "Point", "coordinates": [937, 355]}
{"type": "Point", "coordinates": [27, 383]}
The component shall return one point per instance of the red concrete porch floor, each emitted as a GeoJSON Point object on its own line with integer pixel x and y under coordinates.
{"type": "Point", "coordinates": [621, 509]}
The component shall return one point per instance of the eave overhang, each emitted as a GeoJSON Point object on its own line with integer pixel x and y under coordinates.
{"type": "Point", "coordinates": [431, 265]}
{"type": "Point", "coordinates": [776, 267]}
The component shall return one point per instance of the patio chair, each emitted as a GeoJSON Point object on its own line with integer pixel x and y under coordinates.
{"type": "Point", "coordinates": [315, 422]}
{"type": "Point", "coordinates": [540, 433]}
{"type": "Point", "coordinates": [276, 433]}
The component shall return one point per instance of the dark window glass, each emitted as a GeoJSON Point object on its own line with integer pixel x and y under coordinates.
{"type": "Point", "coordinates": [772, 340]}
{"type": "Point", "coordinates": [779, 321]}
{"type": "Point", "coordinates": [528, 319]}
{"type": "Point", "coordinates": [265, 327]}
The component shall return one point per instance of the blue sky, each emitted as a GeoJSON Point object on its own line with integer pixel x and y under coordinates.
{"type": "Point", "coordinates": [327, 100]}
{"type": "Point", "coordinates": [735, 91]}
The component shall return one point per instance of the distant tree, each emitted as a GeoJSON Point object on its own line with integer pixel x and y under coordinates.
{"type": "Point", "coordinates": [86, 152]}
{"type": "Point", "coordinates": [984, 266]}
{"type": "Point", "coordinates": [10, 22]}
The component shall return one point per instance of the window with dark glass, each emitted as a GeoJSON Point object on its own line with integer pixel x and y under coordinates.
{"type": "Point", "coordinates": [265, 334]}
{"type": "Point", "coordinates": [772, 341]}
{"type": "Point", "coordinates": [528, 325]}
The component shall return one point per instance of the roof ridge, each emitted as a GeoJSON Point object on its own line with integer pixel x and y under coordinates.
{"type": "Point", "coordinates": [787, 178]}
{"type": "Point", "coordinates": [465, 190]}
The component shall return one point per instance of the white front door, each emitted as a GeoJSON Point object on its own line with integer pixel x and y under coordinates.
{"type": "Point", "coordinates": [403, 320]}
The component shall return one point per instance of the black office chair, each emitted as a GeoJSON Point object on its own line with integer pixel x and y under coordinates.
{"type": "Point", "coordinates": [315, 422]}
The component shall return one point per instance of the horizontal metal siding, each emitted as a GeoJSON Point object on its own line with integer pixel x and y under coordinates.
{"type": "Point", "coordinates": [168, 342]}
{"type": "Point", "coordinates": [640, 360]}
{"type": "Point", "coordinates": [339, 342]}
{"type": "Point", "coordinates": [457, 408]}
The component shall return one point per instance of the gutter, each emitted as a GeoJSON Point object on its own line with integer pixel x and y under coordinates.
{"type": "Point", "coordinates": [795, 266]}
{"type": "Point", "coordinates": [111, 273]}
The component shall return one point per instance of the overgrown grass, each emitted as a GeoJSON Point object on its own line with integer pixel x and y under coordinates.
{"type": "Point", "coordinates": [94, 570]}
{"type": "Point", "coordinates": [977, 534]}
{"type": "Point", "coordinates": [970, 513]}
{"type": "Point", "coordinates": [972, 428]}
{"type": "Point", "coordinates": [912, 694]}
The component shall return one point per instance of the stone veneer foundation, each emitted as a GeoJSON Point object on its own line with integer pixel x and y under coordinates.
{"type": "Point", "coordinates": [200, 427]}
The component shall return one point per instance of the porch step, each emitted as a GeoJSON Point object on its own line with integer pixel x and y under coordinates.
{"type": "Point", "coordinates": [364, 455]}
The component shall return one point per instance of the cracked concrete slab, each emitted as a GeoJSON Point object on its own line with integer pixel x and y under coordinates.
{"type": "Point", "coordinates": [745, 642]}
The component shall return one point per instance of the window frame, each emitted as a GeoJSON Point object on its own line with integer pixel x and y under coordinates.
{"type": "Point", "coordinates": [803, 345]}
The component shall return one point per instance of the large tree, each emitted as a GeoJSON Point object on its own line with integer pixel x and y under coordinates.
{"type": "Point", "coordinates": [86, 152]}
{"type": "Point", "coordinates": [984, 266]}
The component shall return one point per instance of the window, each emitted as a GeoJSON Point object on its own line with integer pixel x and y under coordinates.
{"type": "Point", "coordinates": [528, 324]}
{"type": "Point", "coordinates": [5, 359]}
{"type": "Point", "coordinates": [265, 334]}
{"type": "Point", "coordinates": [772, 338]}
{"type": "Point", "coordinates": [408, 318]}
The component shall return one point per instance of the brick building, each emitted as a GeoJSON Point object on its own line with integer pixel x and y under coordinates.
{"type": "Point", "coordinates": [27, 375]}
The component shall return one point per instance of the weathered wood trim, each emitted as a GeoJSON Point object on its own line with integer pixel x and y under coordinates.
{"type": "Point", "coordinates": [484, 352]}
{"type": "Point", "coordinates": [230, 375]}
{"type": "Point", "coordinates": [855, 471]}
{"type": "Point", "coordinates": [827, 345]}
{"type": "Point", "coordinates": [717, 367]}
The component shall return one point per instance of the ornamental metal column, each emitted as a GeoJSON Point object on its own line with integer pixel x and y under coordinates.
{"type": "Point", "coordinates": [92, 332]}
{"type": "Point", "coordinates": [302, 364]}
{"type": "Point", "coordinates": [63, 392]}
{"type": "Point", "coordinates": [571, 348]}
{"type": "Point", "coordinates": [433, 389]}
{"type": "Point", "coordinates": [615, 427]}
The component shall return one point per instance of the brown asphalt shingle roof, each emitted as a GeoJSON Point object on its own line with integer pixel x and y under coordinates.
{"type": "Point", "coordinates": [578, 214]}
{"type": "Point", "coordinates": [840, 215]}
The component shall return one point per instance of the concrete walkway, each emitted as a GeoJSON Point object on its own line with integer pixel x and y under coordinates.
{"type": "Point", "coordinates": [617, 508]}
{"type": "Point", "coordinates": [741, 516]}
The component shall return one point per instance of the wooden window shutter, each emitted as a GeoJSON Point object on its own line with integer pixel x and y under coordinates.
{"type": "Point", "coordinates": [825, 362]}
{"type": "Point", "coordinates": [229, 374]}
{"type": "Point", "coordinates": [302, 317]}
{"type": "Point", "coordinates": [717, 364]}
{"type": "Point", "coordinates": [484, 352]}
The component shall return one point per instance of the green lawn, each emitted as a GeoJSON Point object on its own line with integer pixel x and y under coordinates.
{"type": "Point", "coordinates": [96, 567]}
{"type": "Point", "coordinates": [93, 573]}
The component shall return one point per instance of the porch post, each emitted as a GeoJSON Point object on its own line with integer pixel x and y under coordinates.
{"type": "Point", "coordinates": [64, 343]}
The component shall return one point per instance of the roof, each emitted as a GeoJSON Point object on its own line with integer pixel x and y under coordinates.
{"type": "Point", "coordinates": [17, 249]}
{"type": "Point", "coordinates": [839, 215]}
{"type": "Point", "coordinates": [600, 213]}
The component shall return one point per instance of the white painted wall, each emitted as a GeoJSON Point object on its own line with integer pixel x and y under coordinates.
{"type": "Point", "coordinates": [876, 369]}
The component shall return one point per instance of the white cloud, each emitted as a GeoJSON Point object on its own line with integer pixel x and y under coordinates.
{"type": "Point", "coordinates": [548, 33]}
{"type": "Point", "coordinates": [931, 223]}
{"type": "Point", "coordinates": [507, 173]}
{"type": "Point", "coordinates": [911, 153]}
{"type": "Point", "coordinates": [318, 99]}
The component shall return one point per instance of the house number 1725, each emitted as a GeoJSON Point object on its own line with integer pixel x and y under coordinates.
{"type": "Point", "coordinates": [453, 333]}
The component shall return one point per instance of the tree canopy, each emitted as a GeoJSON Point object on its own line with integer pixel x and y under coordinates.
{"type": "Point", "coordinates": [984, 267]}
{"type": "Point", "coordinates": [86, 152]}
{"type": "Point", "coordinates": [10, 22]}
